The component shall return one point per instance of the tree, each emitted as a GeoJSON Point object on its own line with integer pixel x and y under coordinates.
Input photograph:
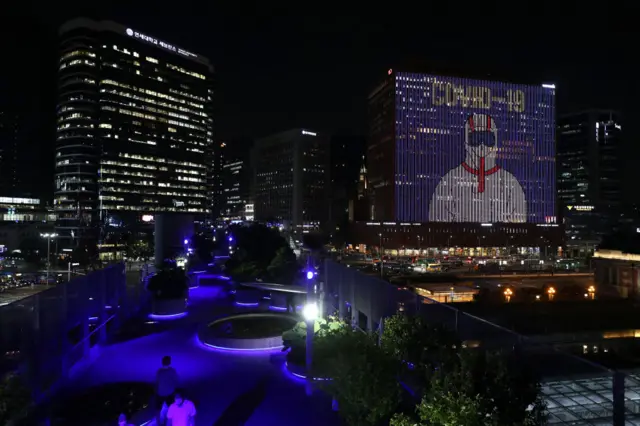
{"type": "Point", "coordinates": [462, 386]}
{"type": "Point", "coordinates": [364, 377]}
{"type": "Point", "coordinates": [411, 339]}
{"type": "Point", "coordinates": [283, 268]}
{"type": "Point", "coordinates": [256, 245]}
{"type": "Point", "coordinates": [15, 399]}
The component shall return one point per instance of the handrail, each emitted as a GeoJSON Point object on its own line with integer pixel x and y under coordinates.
{"type": "Point", "coordinates": [88, 336]}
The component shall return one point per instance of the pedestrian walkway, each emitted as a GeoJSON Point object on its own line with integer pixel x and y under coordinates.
{"type": "Point", "coordinates": [229, 388]}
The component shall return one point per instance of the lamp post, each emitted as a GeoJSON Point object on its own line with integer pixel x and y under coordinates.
{"type": "Point", "coordinates": [48, 237]}
{"type": "Point", "coordinates": [310, 313]}
{"type": "Point", "coordinates": [381, 259]}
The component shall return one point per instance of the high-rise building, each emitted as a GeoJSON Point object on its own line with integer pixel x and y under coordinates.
{"type": "Point", "coordinates": [346, 153]}
{"type": "Point", "coordinates": [134, 128]}
{"type": "Point", "coordinates": [9, 142]}
{"type": "Point", "coordinates": [236, 182]}
{"type": "Point", "coordinates": [290, 176]}
{"type": "Point", "coordinates": [461, 165]}
{"type": "Point", "coordinates": [590, 156]}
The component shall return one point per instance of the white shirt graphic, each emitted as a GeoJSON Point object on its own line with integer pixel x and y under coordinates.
{"type": "Point", "coordinates": [478, 190]}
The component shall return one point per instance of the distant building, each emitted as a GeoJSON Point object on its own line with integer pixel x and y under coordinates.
{"type": "Point", "coordinates": [134, 129]}
{"type": "Point", "coordinates": [236, 183]}
{"type": "Point", "coordinates": [460, 166]}
{"type": "Point", "coordinates": [215, 189]}
{"type": "Point", "coordinates": [21, 173]}
{"type": "Point", "coordinates": [590, 164]}
{"type": "Point", "coordinates": [346, 154]}
{"type": "Point", "coordinates": [290, 180]}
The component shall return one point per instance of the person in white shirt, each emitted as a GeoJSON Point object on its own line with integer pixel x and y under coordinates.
{"type": "Point", "coordinates": [166, 384]}
{"type": "Point", "coordinates": [182, 412]}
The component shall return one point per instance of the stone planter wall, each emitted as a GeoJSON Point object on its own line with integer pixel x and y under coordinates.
{"type": "Point", "coordinates": [248, 295]}
{"type": "Point", "coordinates": [168, 306]}
{"type": "Point", "coordinates": [208, 337]}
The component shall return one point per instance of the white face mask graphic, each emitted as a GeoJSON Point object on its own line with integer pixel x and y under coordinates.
{"type": "Point", "coordinates": [481, 139]}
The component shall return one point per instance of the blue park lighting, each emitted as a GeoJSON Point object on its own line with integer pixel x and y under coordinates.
{"type": "Point", "coordinates": [230, 238]}
{"type": "Point", "coordinates": [309, 275]}
{"type": "Point", "coordinates": [186, 241]}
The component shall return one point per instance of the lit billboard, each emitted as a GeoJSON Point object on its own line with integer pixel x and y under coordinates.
{"type": "Point", "coordinates": [473, 150]}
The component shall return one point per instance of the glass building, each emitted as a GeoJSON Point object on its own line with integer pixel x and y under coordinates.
{"type": "Point", "coordinates": [290, 175]}
{"type": "Point", "coordinates": [134, 128]}
{"type": "Point", "coordinates": [590, 176]}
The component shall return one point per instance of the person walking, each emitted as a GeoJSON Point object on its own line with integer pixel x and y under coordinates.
{"type": "Point", "coordinates": [166, 384]}
{"type": "Point", "coordinates": [182, 412]}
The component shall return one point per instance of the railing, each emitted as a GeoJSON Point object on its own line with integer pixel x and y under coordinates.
{"type": "Point", "coordinates": [576, 391]}
{"type": "Point", "coordinates": [50, 335]}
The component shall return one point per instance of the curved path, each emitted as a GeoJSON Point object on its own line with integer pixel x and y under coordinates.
{"type": "Point", "coordinates": [226, 387]}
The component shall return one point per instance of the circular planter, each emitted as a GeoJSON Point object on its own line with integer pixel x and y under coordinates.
{"type": "Point", "coordinates": [300, 372]}
{"type": "Point", "coordinates": [247, 332]}
{"type": "Point", "coordinates": [169, 307]}
{"type": "Point", "coordinates": [248, 296]}
{"type": "Point", "coordinates": [278, 301]}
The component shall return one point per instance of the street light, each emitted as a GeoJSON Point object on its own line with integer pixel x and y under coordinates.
{"type": "Point", "coordinates": [48, 237]}
{"type": "Point", "coordinates": [507, 294]}
{"type": "Point", "coordinates": [310, 312]}
{"type": "Point", "coordinates": [592, 292]}
{"type": "Point", "coordinates": [551, 292]}
{"type": "Point", "coordinates": [381, 259]}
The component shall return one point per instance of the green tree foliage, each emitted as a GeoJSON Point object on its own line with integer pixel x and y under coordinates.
{"type": "Point", "coordinates": [257, 246]}
{"type": "Point", "coordinates": [283, 268]}
{"type": "Point", "coordinates": [364, 377]}
{"type": "Point", "coordinates": [411, 339]}
{"type": "Point", "coordinates": [15, 399]}
{"type": "Point", "coordinates": [462, 386]}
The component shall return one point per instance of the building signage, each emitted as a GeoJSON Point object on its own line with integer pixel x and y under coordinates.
{"type": "Point", "coordinates": [581, 208]}
{"type": "Point", "coordinates": [177, 203]}
{"type": "Point", "coordinates": [160, 43]}
{"type": "Point", "coordinates": [147, 218]}
{"type": "Point", "coordinates": [248, 208]}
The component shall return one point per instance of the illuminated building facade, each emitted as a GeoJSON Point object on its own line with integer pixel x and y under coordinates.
{"type": "Point", "coordinates": [590, 166]}
{"type": "Point", "coordinates": [290, 177]}
{"type": "Point", "coordinates": [464, 157]}
{"type": "Point", "coordinates": [236, 183]}
{"type": "Point", "coordinates": [134, 128]}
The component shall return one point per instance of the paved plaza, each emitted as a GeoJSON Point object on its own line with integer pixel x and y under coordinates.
{"type": "Point", "coordinates": [227, 387]}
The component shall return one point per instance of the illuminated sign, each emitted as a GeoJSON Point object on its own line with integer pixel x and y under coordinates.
{"type": "Point", "coordinates": [581, 208]}
{"type": "Point", "coordinates": [160, 43]}
{"type": "Point", "coordinates": [306, 132]}
{"type": "Point", "coordinates": [473, 150]}
{"type": "Point", "coordinates": [248, 208]}
{"type": "Point", "coordinates": [177, 203]}
{"type": "Point", "coordinates": [147, 218]}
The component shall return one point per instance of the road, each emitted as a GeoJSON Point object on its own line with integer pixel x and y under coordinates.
{"type": "Point", "coordinates": [16, 294]}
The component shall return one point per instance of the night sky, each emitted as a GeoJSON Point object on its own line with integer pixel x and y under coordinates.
{"type": "Point", "coordinates": [314, 68]}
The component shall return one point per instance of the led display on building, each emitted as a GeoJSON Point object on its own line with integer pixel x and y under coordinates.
{"type": "Point", "coordinates": [473, 150]}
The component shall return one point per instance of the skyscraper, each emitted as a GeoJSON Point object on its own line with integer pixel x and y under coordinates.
{"type": "Point", "coordinates": [134, 131]}
{"type": "Point", "coordinates": [461, 165]}
{"type": "Point", "coordinates": [290, 180]}
{"type": "Point", "coordinates": [590, 157]}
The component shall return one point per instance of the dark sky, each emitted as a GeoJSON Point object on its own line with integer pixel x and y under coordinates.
{"type": "Point", "coordinates": [314, 69]}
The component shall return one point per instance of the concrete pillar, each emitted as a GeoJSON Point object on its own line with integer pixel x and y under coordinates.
{"type": "Point", "coordinates": [618, 399]}
{"type": "Point", "coordinates": [104, 301]}
{"type": "Point", "coordinates": [64, 330]}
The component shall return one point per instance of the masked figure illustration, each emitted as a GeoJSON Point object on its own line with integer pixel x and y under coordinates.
{"type": "Point", "coordinates": [478, 190]}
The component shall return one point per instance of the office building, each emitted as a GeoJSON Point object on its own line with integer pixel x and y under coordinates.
{"type": "Point", "coordinates": [236, 182]}
{"type": "Point", "coordinates": [215, 190]}
{"type": "Point", "coordinates": [590, 165]}
{"type": "Point", "coordinates": [21, 159]}
{"type": "Point", "coordinates": [134, 128]}
{"type": "Point", "coordinates": [346, 154]}
{"type": "Point", "coordinates": [290, 176]}
{"type": "Point", "coordinates": [461, 165]}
